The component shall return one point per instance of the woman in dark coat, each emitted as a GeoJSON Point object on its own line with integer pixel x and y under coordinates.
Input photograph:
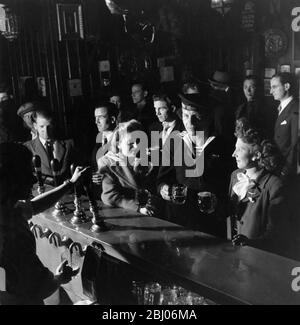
{"type": "Point", "coordinates": [256, 193]}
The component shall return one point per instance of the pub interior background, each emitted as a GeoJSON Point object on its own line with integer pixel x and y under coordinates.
{"type": "Point", "coordinates": [192, 38]}
{"type": "Point", "coordinates": [67, 64]}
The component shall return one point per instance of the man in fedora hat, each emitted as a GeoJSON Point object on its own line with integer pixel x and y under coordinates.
{"type": "Point", "coordinates": [220, 81]}
{"type": "Point", "coordinates": [198, 143]}
{"type": "Point", "coordinates": [220, 95]}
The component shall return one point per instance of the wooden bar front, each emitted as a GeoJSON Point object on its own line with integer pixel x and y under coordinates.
{"type": "Point", "coordinates": [199, 262]}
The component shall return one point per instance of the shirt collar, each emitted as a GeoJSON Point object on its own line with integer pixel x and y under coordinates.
{"type": "Point", "coordinates": [107, 135]}
{"type": "Point", "coordinates": [43, 142]}
{"type": "Point", "coordinates": [169, 124]}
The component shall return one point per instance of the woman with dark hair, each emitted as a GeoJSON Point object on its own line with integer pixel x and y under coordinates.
{"type": "Point", "coordinates": [256, 193]}
{"type": "Point", "coordinates": [127, 177]}
{"type": "Point", "coordinates": [28, 281]}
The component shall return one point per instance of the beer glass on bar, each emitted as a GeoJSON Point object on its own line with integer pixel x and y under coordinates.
{"type": "Point", "coordinates": [206, 202]}
{"type": "Point", "coordinates": [179, 193]}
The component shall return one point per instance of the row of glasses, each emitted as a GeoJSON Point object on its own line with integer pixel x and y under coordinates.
{"type": "Point", "coordinates": [154, 293]}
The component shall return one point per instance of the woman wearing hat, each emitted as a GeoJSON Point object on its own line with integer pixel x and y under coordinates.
{"type": "Point", "coordinates": [200, 172]}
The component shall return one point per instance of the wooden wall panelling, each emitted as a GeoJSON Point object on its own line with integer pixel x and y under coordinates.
{"type": "Point", "coordinates": [56, 67]}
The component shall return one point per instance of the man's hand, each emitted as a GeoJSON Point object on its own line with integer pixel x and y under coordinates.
{"type": "Point", "coordinates": [65, 273]}
{"type": "Point", "coordinates": [165, 192]}
{"type": "Point", "coordinates": [240, 240]}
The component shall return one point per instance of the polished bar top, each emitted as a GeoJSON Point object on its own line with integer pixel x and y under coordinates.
{"type": "Point", "coordinates": [205, 264]}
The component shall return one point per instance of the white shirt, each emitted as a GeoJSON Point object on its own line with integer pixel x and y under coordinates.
{"type": "Point", "coordinates": [104, 135]}
{"type": "Point", "coordinates": [43, 141]}
{"type": "Point", "coordinates": [169, 126]}
{"type": "Point", "coordinates": [284, 103]}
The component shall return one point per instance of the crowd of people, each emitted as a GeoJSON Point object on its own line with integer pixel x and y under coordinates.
{"type": "Point", "coordinates": [190, 158]}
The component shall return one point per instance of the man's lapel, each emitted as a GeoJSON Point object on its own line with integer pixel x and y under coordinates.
{"type": "Point", "coordinates": [187, 142]}
{"type": "Point", "coordinates": [59, 149]}
{"type": "Point", "coordinates": [284, 114]}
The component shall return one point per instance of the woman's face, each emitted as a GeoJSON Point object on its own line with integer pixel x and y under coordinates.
{"type": "Point", "coordinates": [129, 145]}
{"type": "Point", "coordinates": [243, 155]}
{"type": "Point", "coordinates": [250, 89]}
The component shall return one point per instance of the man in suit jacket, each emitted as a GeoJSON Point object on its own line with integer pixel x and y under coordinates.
{"type": "Point", "coordinates": [48, 147]}
{"type": "Point", "coordinates": [286, 126]}
{"type": "Point", "coordinates": [106, 115]}
{"type": "Point", "coordinates": [143, 107]}
{"type": "Point", "coordinates": [168, 123]}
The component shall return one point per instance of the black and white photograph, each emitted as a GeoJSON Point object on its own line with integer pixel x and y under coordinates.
{"type": "Point", "coordinates": [149, 155]}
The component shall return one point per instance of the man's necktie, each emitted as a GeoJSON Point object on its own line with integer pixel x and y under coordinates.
{"type": "Point", "coordinates": [194, 150]}
{"type": "Point", "coordinates": [165, 132]}
{"type": "Point", "coordinates": [279, 109]}
{"type": "Point", "coordinates": [49, 149]}
{"type": "Point", "coordinates": [104, 142]}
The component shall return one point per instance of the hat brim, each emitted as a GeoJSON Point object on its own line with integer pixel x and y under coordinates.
{"type": "Point", "coordinates": [218, 84]}
{"type": "Point", "coordinates": [22, 112]}
{"type": "Point", "coordinates": [194, 106]}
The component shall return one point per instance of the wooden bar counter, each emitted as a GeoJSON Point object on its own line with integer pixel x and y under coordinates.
{"type": "Point", "coordinates": [199, 262]}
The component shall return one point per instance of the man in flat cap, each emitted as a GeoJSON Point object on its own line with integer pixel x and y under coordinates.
{"type": "Point", "coordinates": [25, 112]}
{"type": "Point", "coordinates": [197, 170]}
